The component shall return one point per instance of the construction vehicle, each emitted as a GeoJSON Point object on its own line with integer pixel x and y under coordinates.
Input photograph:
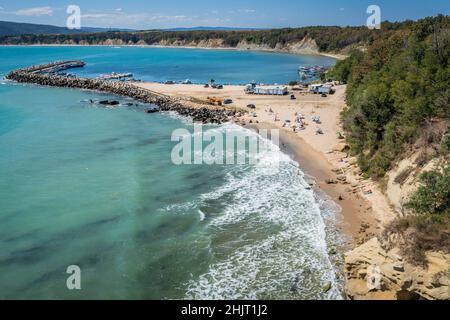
{"type": "Point", "coordinates": [214, 101]}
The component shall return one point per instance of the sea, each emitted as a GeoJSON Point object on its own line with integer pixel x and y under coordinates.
{"type": "Point", "coordinates": [95, 187]}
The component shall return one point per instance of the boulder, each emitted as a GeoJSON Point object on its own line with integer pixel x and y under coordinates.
{"type": "Point", "coordinates": [341, 147]}
{"type": "Point", "coordinates": [394, 279]}
{"type": "Point", "coordinates": [327, 287]}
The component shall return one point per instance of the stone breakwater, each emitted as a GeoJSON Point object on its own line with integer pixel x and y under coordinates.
{"type": "Point", "coordinates": [198, 112]}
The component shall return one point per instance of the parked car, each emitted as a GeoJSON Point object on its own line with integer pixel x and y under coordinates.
{"type": "Point", "coordinates": [293, 97]}
{"type": "Point", "coordinates": [251, 106]}
{"type": "Point", "coordinates": [227, 101]}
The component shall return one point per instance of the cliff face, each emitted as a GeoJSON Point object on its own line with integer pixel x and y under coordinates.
{"type": "Point", "coordinates": [402, 180]}
{"type": "Point", "coordinates": [305, 46]}
{"type": "Point", "coordinates": [375, 273]}
{"type": "Point", "coordinates": [398, 278]}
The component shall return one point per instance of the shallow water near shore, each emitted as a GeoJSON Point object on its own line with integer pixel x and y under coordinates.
{"type": "Point", "coordinates": [95, 187]}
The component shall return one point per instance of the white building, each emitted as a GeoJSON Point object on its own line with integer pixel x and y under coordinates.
{"type": "Point", "coordinates": [321, 88]}
{"type": "Point", "coordinates": [268, 90]}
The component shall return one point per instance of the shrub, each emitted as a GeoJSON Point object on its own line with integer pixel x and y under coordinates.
{"type": "Point", "coordinates": [399, 84]}
{"type": "Point", "coordinates": [433, 196]}
{"type": "Point", "coordinates": [419, 234]}
{"type": "Point", "coordinates": [445, 145]}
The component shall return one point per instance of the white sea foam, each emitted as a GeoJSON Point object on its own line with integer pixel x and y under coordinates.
{"type": "Point", "coordinates": [174, 115]}
{"type": "Point", "coordinates": [202, 215]}
{"type": "Point", "coordinates": [275, 235]}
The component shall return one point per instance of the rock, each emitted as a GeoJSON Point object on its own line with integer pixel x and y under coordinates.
{"type": "Point", "coordinates": [362, 274]}
{"type": "Point", "coordinates": [341, 198]}
{"type": "Point", "coordinates": [327, 287]}
{"type": "Point", "coordinates": [406, 283]}
{"type": "Point", "coordinates": [444, 281]}
{"type": "Point", "coordinates": [352, 161]}
{"type": "Point", "coordinates": [109, 102]}
{"type": "Point", "coordinates": [398, 279]}
{"type": "Point", "coordinates": [341, 178]}
{"type": "Point", "coordinates": [341, 147]}
{"type": "Point", "coordinates": [152, 110]}
{"type": "Point", "coordinates": [294, 288]}
{"type": "Point", "coordinates": [331, 181]}
{"type": "Point", "coordinates": [399, 267]}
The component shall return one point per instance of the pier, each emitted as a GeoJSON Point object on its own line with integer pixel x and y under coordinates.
{"type": "Point", "coordinates": [46, 75]}
{"type": "Point", "coordinates": [57, 66]}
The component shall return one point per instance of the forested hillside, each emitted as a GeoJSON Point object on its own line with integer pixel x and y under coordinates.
{"type": "Point", "coordinates": [395, 87]}
{"type": "Point", "coordinates": [8, 28]}
{"type": "Point", "coordinates": [398, 97]}
{"type": "Point", "coordinates": [328, 39]}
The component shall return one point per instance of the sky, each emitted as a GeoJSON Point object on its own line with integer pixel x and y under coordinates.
{"type": "Point", "coordinates": [152, 14]}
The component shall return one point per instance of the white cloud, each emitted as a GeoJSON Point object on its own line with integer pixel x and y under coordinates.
{"type": "Point", "coordinates": [35, 12]}
{"type": "Point", "coordinates": [96, 16]}
{"type": "Point", "coordinates": [170, 18]}
{"type": "Point", "coordinates": [143, 20]}
{"type": "Point", "coordinates": [247, 10]}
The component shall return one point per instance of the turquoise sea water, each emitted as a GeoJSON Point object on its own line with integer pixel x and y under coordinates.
{"type": "Point", "coordinates": [95, 187]}
{"type": "Point", "coordinates": [161, 64]}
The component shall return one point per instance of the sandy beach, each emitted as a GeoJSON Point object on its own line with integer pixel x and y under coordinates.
{"type": "Point", "coordinates": [323, 156]}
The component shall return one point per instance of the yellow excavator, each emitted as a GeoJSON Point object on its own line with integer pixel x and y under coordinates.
{"type": "Point", "coordinates": [214, 101]}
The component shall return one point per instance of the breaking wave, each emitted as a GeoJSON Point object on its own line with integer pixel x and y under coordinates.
{"type": "Point", "coordinates": [267, 232]}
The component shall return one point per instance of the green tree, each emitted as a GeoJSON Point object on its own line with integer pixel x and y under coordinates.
{"type": "Point", "coordinates": [433, 196]}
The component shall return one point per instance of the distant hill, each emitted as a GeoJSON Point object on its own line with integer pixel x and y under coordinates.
{"type": "Point", "coordinates": [212, 29]}
{"type": "Point", "coordinates": [8, 28]}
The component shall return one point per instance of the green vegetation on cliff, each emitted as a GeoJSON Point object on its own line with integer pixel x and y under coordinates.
{"type": "Point", "coordinates": [399, 83]}
{"type": "Point", "coordinates": [328, 39]}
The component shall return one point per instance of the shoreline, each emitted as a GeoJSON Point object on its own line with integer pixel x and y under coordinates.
{"type": "Point", "coordinates": [336, 56]}
{"type": "Point", "coordinates": [359, 219]}
{"type": "Point", "coordinates": [317, 170]}
{"type": "Point", "coordinates": [365, 209]}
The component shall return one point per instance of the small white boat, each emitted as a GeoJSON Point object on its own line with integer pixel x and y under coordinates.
{"type": "Point", "coordinates": [114, 75]}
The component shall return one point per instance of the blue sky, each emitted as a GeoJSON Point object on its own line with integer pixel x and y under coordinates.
{"type": "Point", "coordinates": [147, 14]}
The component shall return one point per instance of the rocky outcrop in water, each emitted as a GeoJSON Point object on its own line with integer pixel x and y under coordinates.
{"type": "Point", "coordinates": [199, 113]}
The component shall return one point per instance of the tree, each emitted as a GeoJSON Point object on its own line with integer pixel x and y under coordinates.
{"type": "Point", "coordinates": [433, 196]}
